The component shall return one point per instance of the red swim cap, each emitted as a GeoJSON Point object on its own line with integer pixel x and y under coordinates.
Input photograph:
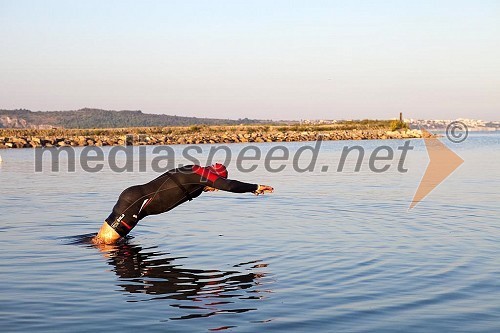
{"type": "Point", "coordinates": [218, 169]}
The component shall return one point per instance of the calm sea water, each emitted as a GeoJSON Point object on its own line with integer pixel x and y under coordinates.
{"type": "Point", "coordinates": [328, 251]}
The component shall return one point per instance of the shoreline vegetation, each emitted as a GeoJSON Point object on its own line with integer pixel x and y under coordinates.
{"type": "Point", "coordinates": [205, 134]}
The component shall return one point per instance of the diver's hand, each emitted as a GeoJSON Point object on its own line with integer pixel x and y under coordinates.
{"type": "Point", "coordinates": [263, 189]}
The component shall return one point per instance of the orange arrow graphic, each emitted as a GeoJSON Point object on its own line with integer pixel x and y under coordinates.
{"type": "Point", "coordinates": [442, 162]}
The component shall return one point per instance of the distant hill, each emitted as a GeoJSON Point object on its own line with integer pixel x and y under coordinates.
{"type": "Point", "coordinates": [97, 118]}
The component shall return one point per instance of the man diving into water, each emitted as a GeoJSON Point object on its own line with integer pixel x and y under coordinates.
{"type": "Point", "coordinates": [166, 192]}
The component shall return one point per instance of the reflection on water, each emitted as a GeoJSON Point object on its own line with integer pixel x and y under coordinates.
{"type": "Point", "coordinates": [154, 275]}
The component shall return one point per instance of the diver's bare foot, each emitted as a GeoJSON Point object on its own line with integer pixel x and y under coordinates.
{"type": "Point", "coordinates": [106, 235]}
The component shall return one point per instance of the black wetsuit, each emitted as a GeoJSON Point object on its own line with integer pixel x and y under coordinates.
{"type": "Point", "coordinates": [169, 190]}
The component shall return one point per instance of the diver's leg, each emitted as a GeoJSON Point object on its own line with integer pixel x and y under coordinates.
{"type": "Point", "coordinates": [123, 218]}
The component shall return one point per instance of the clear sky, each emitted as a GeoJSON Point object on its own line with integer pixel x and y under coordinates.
{"type": "Point", "coordinates": [256, 59]}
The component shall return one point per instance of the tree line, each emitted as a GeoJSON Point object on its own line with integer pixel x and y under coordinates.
{"type": "Point", "coordinates": [98, 118]}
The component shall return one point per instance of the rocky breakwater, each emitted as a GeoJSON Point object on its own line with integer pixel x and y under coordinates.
{"type": "Point", "coordinates": [202, 137]}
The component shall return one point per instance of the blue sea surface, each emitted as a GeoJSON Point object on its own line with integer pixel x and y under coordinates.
{"type": "Point", "coordinates": [329, 251]}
